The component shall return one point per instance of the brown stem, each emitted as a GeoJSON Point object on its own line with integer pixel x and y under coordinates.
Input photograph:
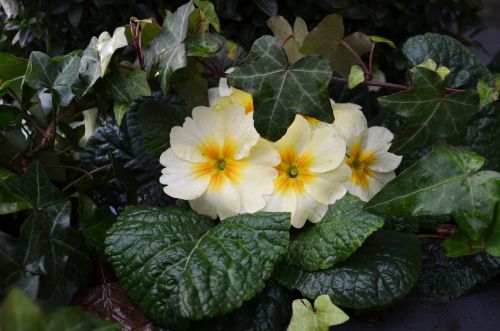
{"type": "Point", "coordinates": [358, 59]}
{"type": "Point", "coordinates": [89, 173]}
{"type": "Point", "coordinates": [370, 63]}
{"type": "Point", "coordinates": [136, 31]}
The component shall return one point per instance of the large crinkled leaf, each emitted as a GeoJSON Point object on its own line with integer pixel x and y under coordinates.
{"type": "Point", "coordinates": [49, 255]}
{"type": "Point", "coordinates": [176, 265]}
{"type": "Point", "coordinates": [281, 91]}
{"type": "Point", "coordinates": [58, 74]}
{"type": "Point", "coordinates": [327, 39]}
{"type": "Point", "coordinates": [381, 272]}
{"type": "Point", "coordinates": [466, 69]}
{"type": "Point", "coordinates": [167, 52]}
{"type": "Point", "coordinates": [291, 39]}
{"type": "Point", "coordinates": [269, 310]}
{"type": "Point", "coordinates": [446, 181]}
{"type": "Point", "coordinates": [340, 233]}
{"type": "Point", "coordinates": [432, 115]}
{"type": "Point", "coordinates": [321, 317]}
{"type": "Point", "coordinates": [20, 313]}
{"type": "Point", "coordinates": [448, 278]}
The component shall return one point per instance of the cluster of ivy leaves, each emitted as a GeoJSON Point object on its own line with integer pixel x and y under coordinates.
{"type": "Point", "coordinates": [81, 134]}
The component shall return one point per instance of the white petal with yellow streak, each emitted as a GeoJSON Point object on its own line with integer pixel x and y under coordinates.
{"type": "Point", "coordinates": [296, 138]}
{"type": "Point", "coordinates": [328, 187]}
{"type": "Point", "coordinates": [239, 127]}
{"type": "Point", "coordinates": [326, 150]}
{"type": "Point", "coordinates": [225, 199]}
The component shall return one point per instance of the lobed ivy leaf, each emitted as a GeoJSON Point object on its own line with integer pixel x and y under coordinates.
{"type": "Point", "coordinates": [202, 45]}
{"type": "Point", "coordinates": [446, 181]}
{"type": "Point", "coordinates": [166, 53]}
{"type": "Point", "coordinates": [290, 39]}
{"type": "Point", "coordinates": [176, 265]}
{"type": "Point", "coordinates": [432, 115]}
{"type": "Point", "coordinates": [281, 91]}
{"type": "Point", "coordinates": [340, 233]}
{"type": "Point", "coordinates": [321, 317]}
{"type": "Point", "coordinates": [328, 40]}
{"type": "Point", "coordinates": [20, 313]}
{"type": "Point", "coordinates": [381, 272]}
{"type": "Point", "coordinates": [209, 13]}
{"type": "Point", "coordinates": [448, 278]}
{"type": "Point", "coordinates": [466, 69]}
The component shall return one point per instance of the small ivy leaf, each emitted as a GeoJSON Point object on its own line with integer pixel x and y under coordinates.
{"type": "Point", "coordinates": [381, 272]}
{"type": "Point", "coordinates": [149, 30]}
{"type": "Point", "coordinates": [377, 39]}
{"type": "Point", "coordinates": [432, 65]}
{"type": "Point", "coordinates": [466, 69]}
{"type": "Point", "coordinates": [486, 93]}
{"type": "Point", "coordinates": [167, 52]}
{"type": "Point", "coordinates": [291, 40]}
{"type": "Point", "coordinates": [327, 38]}
{"type": "Point", "coordinates": [280, 90]}
{"type": "Point", "coordinates": [356, 76]}
{"type": "Point", "coordinates": [432, 115]}
{"type": "Point", "coordinates": [320, 318]}
{"type": "Point", "coordinates": [177, 265]}
{"type": "Point", "coordinates": [208, 10]}
{"type": "Point", "coordinates": [340, 233]}
{"type": "Point", "coordinates": [445, 181]}
{"type": "Point", "coordinates": [20, 313]}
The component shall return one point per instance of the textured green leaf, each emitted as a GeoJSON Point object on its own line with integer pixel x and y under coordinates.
{"type": "Point", "coordinates": [356, 76]}
{"type": "Point", "coordinates": [167, 52]}
{"type": "Point", "coordinates": [327, 39]}
{"type": "Point", "coordinates": [19, 313]}
{"type": "Point", "coordinates": [35, 187]}
{"type": "Point", "coordinates": [291, 39]}
{"type": "Point", "coordinates": [448, 278]}
{"type": "Point", "coordinates": [48, 250]}
{"type": "Point", "coordinates": [340, 233]}
{"type": "Point", "coordinates": [321, 317]}
{"type": "Point", "coordinates": [486, 93]}
{"type": "Point", "coordinates": [11, 202]}
{"type": "Point", "coordinates": [94, 222]}
{"type": "Point", "coordinates": [208, 10]}
{"type": "Point", "coordinates": [382, 271]}
{"type": "Point", "coordinates": [446, 181]}
{"type": "Point", "coordinates": [466, 69]}
{"type": "Point", "coordinates": [280, 90]}
{"type": "Point", "coordinates": [58, 74]}
{"type": "Point", "coordinates": [201, 46]}
{"type": "Point", "coordinates": [176, 265]}
{"type": "Point", "coordinates": [432, 116]}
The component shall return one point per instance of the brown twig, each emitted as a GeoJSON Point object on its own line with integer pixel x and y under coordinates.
{"type": "Point", "coordinates": [136, 31]}
{"type": "Point", "coordinates": [370, 62]}
{"type": "Point", "coordinates": [358, 59]}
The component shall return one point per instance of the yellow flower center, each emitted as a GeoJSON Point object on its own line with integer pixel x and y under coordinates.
{"type": "Point", "coordinates": [360, 162]}
{"type": "Point", "coordinates": [293, 172]}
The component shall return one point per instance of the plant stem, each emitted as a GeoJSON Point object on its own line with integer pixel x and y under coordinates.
{"type": "Point", "coordinates": [358, 59]}
{"type": "Point", "coordinates": [88, 174]}
{"type": "Point", "coordinates": [370, 63]}
{"type": "Point", "coordinates": [135, 29]}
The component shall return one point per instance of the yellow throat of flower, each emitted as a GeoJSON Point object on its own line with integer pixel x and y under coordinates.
{"type": "Point", "coordinates": [293, 172]}
{"type": "Point", "coordinates": [360, 162]}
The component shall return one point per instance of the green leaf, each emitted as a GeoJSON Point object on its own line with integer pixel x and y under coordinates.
{"type": "Point", "coordinates": [356, 76]}
{"type": "Point", "coordinates": [446, 181]}
{"type": "Point", "coordinates": [12, 203]}
{"type": "Point", "coordinates": [176, 265]}
{"type": "Point", "coordinates": [49, 252]}
{"type": "Point", "coordinates": [269, 7]}
{"type": "Point", "coordinates": [486, 93]}
{"type": "Point", "coordinates": [202, 45]}
{"type": "Point", "coordinates": [466, 69]}
{"type": "Point", "coordinates": [291, 39]}
{"type": "Point", "coordinates": [11, 66]}
{"type": "Point", "coordinates": [35, 187]}
{"type": "Point", "coordinates": [327, 39]}
{"type": "Point", "coordinates": [320, 318]}
{"type": "Point", "coordinates": [20, 313]}
{"type": "Point", "coordinates": [94, 222]}
{"type": "Point", "coordinates": [167, 52]}
{"type": "Point", "coordinates": [208, 10]}
{"type": "Point", "coordinates": [431, 117]}
{"type": "Point", "coordinates": [381, 272]}
{"type": "Point", "coordinates": [280, 90]}
{"type": "Point", "coordinates": [340, 233]}
{"type": "Point", "coordinates": [448, 278]}
{"type": "Point", "coordinates": [59, 75]}
{"type": "Point", "coordinates": [377, 39]}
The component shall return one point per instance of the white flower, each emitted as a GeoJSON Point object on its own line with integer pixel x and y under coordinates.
{"type": "Point", "coordinates": [367, 151]}
{"type": "Point", "coordinates": [311, 172]}
{"type": "Point", "coordinates": [223, 96]}
{"type": "Point", "coordinates": [219, 163]}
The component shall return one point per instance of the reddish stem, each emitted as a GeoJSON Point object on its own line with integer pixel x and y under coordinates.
{"type": "Point", "coordinates": [370, 63]}
{"type": "Point", "coordinates": [358, 59]}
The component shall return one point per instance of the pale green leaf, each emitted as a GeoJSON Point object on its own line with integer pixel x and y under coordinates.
{"type": "Point", "coordinates": [321, 317]}
{"type": "Point", "coordinates": [377, 39]}
{"type": "Point", "coordinates": [208, 10]}
{"type": "Point", "coordinates": [356, 76]}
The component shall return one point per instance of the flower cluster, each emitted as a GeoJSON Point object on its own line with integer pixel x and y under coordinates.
{"type": "Point", "coordinates": [218, 161]}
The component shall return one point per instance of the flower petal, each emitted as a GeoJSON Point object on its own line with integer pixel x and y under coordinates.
{"type": "Point", "coordinates": [202, 206]}
{"type": "Point", "coordinates": [179, 176]}
{"type": "Point", "coordinates": [213, 95]}
{"type": "Point", "coordinates": [308, 208]}
{"type": "Point", "coordinates": [295, 140]}
{"type": "Point", "coordinates": [281, 202]}
{"type": "Point", "coordinates": [328, 187]}
{"type": "Point", "coordinates": [385, 162]}
{"type": "Point", "coordinates": [239, 130]}
{"type": "Point", "coordinates": [377, 139]}
{"type": "Point", "coordinates": [376, 182]}
{"type": "Point", "coordinates": [326, 150]}
{"type": "Point", "coordinates": [225, 200]}
{"type": "Point", "coordinates": [350, 122]}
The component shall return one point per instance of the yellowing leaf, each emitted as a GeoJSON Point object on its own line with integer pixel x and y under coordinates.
{"type": "Point", "coordinates": [377, 39]}
{"type": "Point", "coordinates": [320, 318]}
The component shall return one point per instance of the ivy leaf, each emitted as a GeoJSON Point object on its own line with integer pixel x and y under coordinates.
{"type": "Point", "coordinates": [19, 313]}
{"type": "Point", "coordinates": [58, 74]}
{"type": "Point", "coordinates": [11, 202]}
{"type": "Point", "coordinates": [466, 69]}
{"type": "Point", "coordinates": [381, 272]}
{"type": "Point", "coordinates": [432, 115]}
{"type": "Point", "coordinates": [280, 90]}
{"type": "Point", "coordinates": [48, 250]}
{"type": "Point", "coordinates": [167, 52]}
{"type": "Point", "coordinates": [208, 10]}
{"type": "Point", "coordinates": [321, 317]}
{"type": "Point", "coordinates": [377, 39]}
{"type": "Point", "coordinates": [291, 39]}
{"type": "Point", "coordinates": [327, 39]}
{"type": "Point", "coordinates": [11, 66]}
{"type": "Point", "coordinates": [448, 278]}
{"type": "Point", "coordinates": [340, 233]}
{"type": "Point", "coordinates": [176, 265]}
{"type": "Point", "coordinates": [446, 181]}
{"type": "Point", "coordinates": [94, 222]}
{"type": "Point", "coordinates": [356, 76]}
{"type": "Point", "coordinates": [202, 45]}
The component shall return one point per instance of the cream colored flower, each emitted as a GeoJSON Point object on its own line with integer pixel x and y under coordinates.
{"type": "Point", "coordinates": [311, 172]}
{"type": "Point", "coordinates": [223, 96]}
{"type": "Point", "coordinates": [219, 163]}
{"type": "Point", "coordinates": [367, 151]}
